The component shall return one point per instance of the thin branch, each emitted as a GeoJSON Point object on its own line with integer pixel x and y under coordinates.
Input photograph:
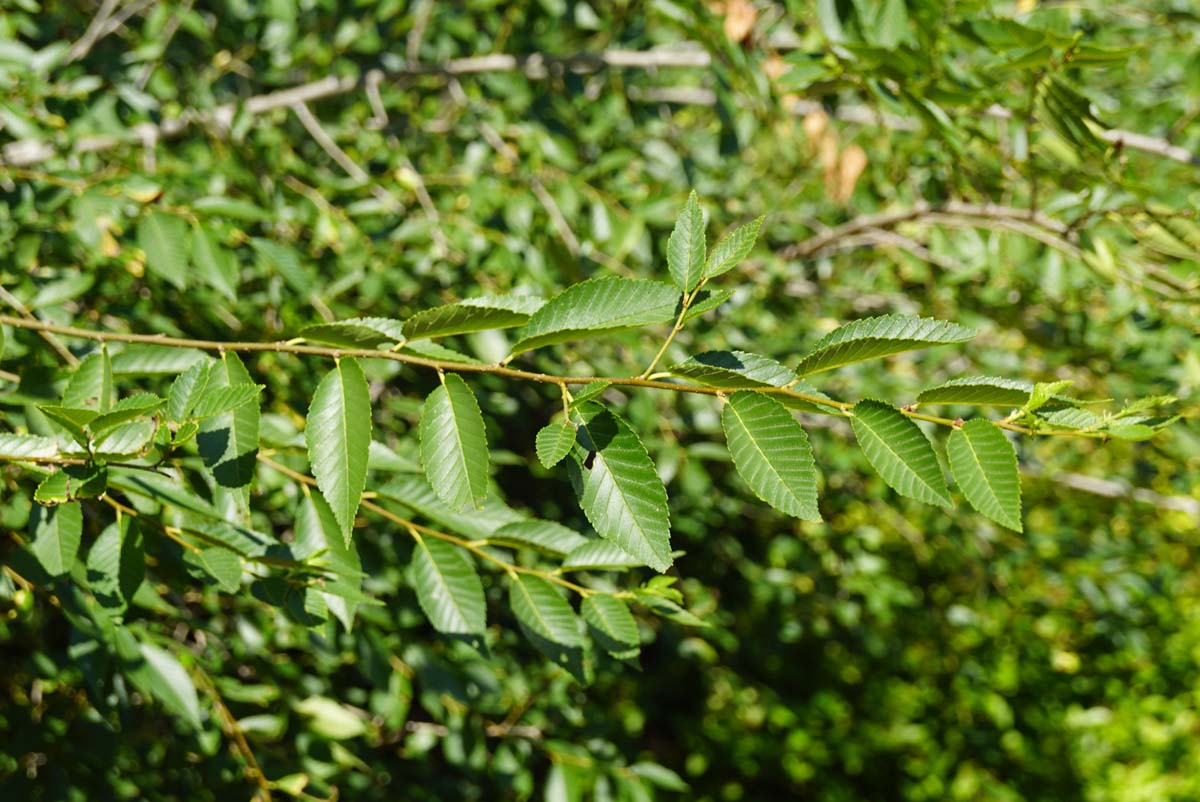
{"type": "Point", "coordinates": [832, 406]}
{"type": "Point", "coordinates": [50, 339]}
{"type": "Point", "coordinates": [93, 33]}
{"type": "Point", "coordinates": [322, 138]}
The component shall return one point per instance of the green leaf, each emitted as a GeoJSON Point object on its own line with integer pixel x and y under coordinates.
{"type": "Point", "coordinates": [454, 445]}
{"type": "Point", "coordinates": [216, 400]}
{"type": "Point", "coordinates": [875, 337]}
{"type": "Point", "coordinates": [228, 443]}
{"type": "Point", "coordinates": [124, 440]}
{"type": "Point", "coordinates": [186, 390]}
{"type": "Point", "coordinates": [154, 360]}
{"type": "Point", "coordinates": [361, 332]}
{"type": "Point", "coordinates": [900, 452]}
{"type": "Point", "coordinates": [979, 391]}
{"type": "Point", "coordinates": [72, 482]}
{"type": "Point", "coordinates": [164, 238]}
{"type": "Point", "coordinates": [588, 392]}
{"type": "Point", "coordinates": [622, 494]}
{"type": "Point", "coordinates": [734, 370]}
{"type": "Point", "coordinates": [611, 623]}
{"type": "Point", "coordinates": [129, 408]}
{"type": "Point", "coordinates": [772, 453]}
{"type": "Point", "coordinates": [319, 541]}
{"type": "Point", "coordinates": [57, 533]}
{"type": "Point", "coordinates": [685, 248]}
{"type": "Point", "coordinates": [415, 493]}
{"type": "Point", "coordinates": [116, 564]}
{"type": "Point", "coordinates": [542, 610]}
{"type": "Point", "coordinates": [162, 676]}
{"type": "Point", "coordinates": [733, 248]}
{"type": "Point", "coordinates": [554, 441]}
{"type": "Point", "coordinates": [596, 307]}
{"type": "Point", "coordinates": [546, 537]}
{"type": "Point", "coordinates": [338, 433]}
{"type": "Point", "coordinates": [331, 719]}
{"type": "Point", "coordinates": [598, 555]}
{"type": "Point", "coordinates": [448, 588]}
{"type": "Point", "coordinates": [215, 266]}
{"type": "Point", "coordinates": [474, 314]}
{"type": "Point", "coordinates": [984, 465]}
{"type": "Point", "coordinates": [91, 385]}
{"type": "Point", "coordinates": [73, 420]}
{"type": "Point", "coordinates": [15, 446]}
{"type": "Point", "coordinates": [1044, 393]}
{"type": "Point", "coordinates": [659, 776]}
{"type": "Point", "coordinates": [223, 565]}
{"type": "Point", "coordinates": [707, 300]}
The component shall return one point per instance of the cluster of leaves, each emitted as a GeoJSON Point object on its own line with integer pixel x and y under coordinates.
{"type": "Point", "coordinates": [260, 544]}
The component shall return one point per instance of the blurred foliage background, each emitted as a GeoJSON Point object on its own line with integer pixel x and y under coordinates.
{"type": "Point", "coordinates": [893, 651]}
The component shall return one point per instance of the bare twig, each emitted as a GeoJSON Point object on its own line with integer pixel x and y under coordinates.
{"type": "Point", "coordinates": [1111, 488]}
{"type": "Point", "coordinates": [93, 33]}
{"type": "Point", "coordinates": [313, 126]}
{"type": "Point", "coordinates": [165, 38]}
{"type": "Point", "coordinates": [60, 349]}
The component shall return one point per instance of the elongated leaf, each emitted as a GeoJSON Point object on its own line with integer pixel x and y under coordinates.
{"type": "Point", "coordinates": [875, 337]}
{"type": "Point", "coordinates": [186, 390]}
{"type": "Point", "coordinates": [91, 385]}
{"type": "Point", "coordinates": [611, 623]}
{"type": "Point", "coordinates": [215, 266]}
{"type": "Point", "coordinates": [454, 444]}
{"type": "Point", "coordinates": [900, 452]}
{"type": "Point", "coordinates": [72, 482]}
{"type": "Point", "coordinates": [338, 433]}
{"type": "Point", "coordinates": [154, 360]}
{"type": "Point", "coordinates": [222, 565]}
{"type": "Point", "coordinates": [75, 421]}
{"type": "Point", "coordinates": [588, 392]}
{"type": "Point", "coordinates": [116, 564]}
{"type": "Point", "coordinates": [216, 400]}
{"type": "Point", "coordinates": [361, 332]}
{"type": "Point", "coordinates": [125, 440]}
{"type": "Point", "coordinates": [474, 314]}
{"type": "Point", "coordinates": [685, 248]}
{"type": "Point", "coordinates": [228, 443]}
{"type": "Point", "coordinates": [738, 370]}
{"type": "Point", "coordinates": [546, 537]}
{"type": "Point", "coordinates": [554, 441]}
{"type": "Point", "coordinates": [164, 678]}
{"type": "Point", "coordinates": [164, 238]}
{"type": "Point", "coordinates": [542, 610]}
{"type": "Point", "coordinates": [598, 306]}
{"type": "Point", "coordinates": [57, 532]}
{"type": "Point", "coordinates": [415, 493]}
{"type": "Point", "coordinates": [129, 408]}
{"type": "Point", "coordinates": [622, 494]}
{"type": "Point", "coordinates": [984, 464]}
{"type": "Point", "coordinates": [771, 452]}
{"type": "Point", "coordinates": [707, 300]}
{"type": "Point", "coordinates": [319, 541]}
{"type": "Point", "coordinates": [448, 588]}
{"type": "Point", "coordinates": [979, 391]}
{"type": "Point", "coordinates": [598, 555]}
{"type": "Point", "coordinates": [14, 446]}
{"type": "Point", "coordinates": [733, 248]}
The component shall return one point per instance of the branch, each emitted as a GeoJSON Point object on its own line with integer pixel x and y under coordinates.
{"type": "Point", "coordinates": [831, 406]}
{"type": "Point", "coordinates": [535, 66]}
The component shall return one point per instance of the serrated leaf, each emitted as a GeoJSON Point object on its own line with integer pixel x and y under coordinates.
{"type": "Point", "coordinates": [164, 239]}
{"type": "Point", "coordinates": [215, 266]}
{"type": "Point", "coordinates": [1130, 431]}
{"type": "Point", "coordinates": [154, 360]}
{"type": "Point", "coordinates": [124, 440]}
{"type": "Point", "coordinates": [471, 315]}
{"type": "Point", "coordinates": [448, 588]}
{"type": "Point", "coordinates": [129, 408]}
{"type": "Point", "coordinates": [228, 443]}
{"type": "Point", "coordinates": [338, 434]}
{"type": "Point", "coordinates": [771, 452]}
{"type": "Point", "coordinates": [415, 493]}
{"type": "Point", "coordinates": [72, 482]}
{"type": "Point", "coordinates": [588, 392]}
{"type": "Point", "coordinates": [319, 541]}
{"type": "Point", "coordinates": [739, 370]}
{"type": "Point", "coordinates": [984, 465]}
{"type": "Point", "coordinates": [685, 248]}
{"type": "Point", "coordinates": [216, 400]}
{"type": "Point", "coordinates": [875, 337]}
{"type": "Point", "coordinates": [1045, 392]}
{"type": "Point", "coordinates": [622, 494]}
{"type": "Point", "coordinates": [598, 555]}
{"type": "Point", "coordinates": [162, 676]}
{"type": "Point", "coordinates": [707, 300]}
{"type": "Point", "coordinates": [16, 446]}
{"type": "Point", "coordinates": [73, 420]}
{"type": "Point", "coordinates": [733, 248]}
{"type": "Point", "coordinates": [668, 609]}
{"type": "Point", "coordinates": [454, 444]}
{"type": "Point", "coordinates": [222, 565]}
{"type": "Point", "coordinates": [979, 391]}
{"type": "Point", "coordinates": [361, 332]}
{"type": "Point", "coordinates": [899, 452]}
{"type": "Point", "coordinates": [186, 390]}
{"type": "Point", "coordinates": [91, 385]}
{"type": "Point", "coordinates": [1071, 418]}
{"type": "Point", "coordinates": [554, 442]}
{"type": "Point", "coordinates": [57, 533]}
{"type": "Point", "coordinates": [546, 537]}
{"type": "Point", "coordinates": [611, 623]}
{"type": "Point", "coordinates": [285, 261]}
{"type": "Point", "coordinates": [542, 610]}
{"type": "Point", "coordinates": [116, 564]}
{"type": "Point", "coordinates": [598, 306]}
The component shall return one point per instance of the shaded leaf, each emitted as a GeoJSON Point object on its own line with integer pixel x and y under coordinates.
{"type": "Point", "coordinates": [771, 452]}
{"type": "Point", "coordinates": [362, 332]}
{"type": "Point", "coordinates": [979, 391]}
{"type": "Point", "coordinates": [554, 441]}
{"type": "Point", "coordinates": [984, 465]}
{"type": "Point", "coordinates": [875, 337]}
{"type": "Point", "coordinates": [611, 623]}
{"type": "Point", "coordinates": [448, 588]}
{"type": "Point", "coordinates": [546, 537]}
{"type": "Point", "coordinates": [474, 314]}
{"type": "Point", "coordinates": [164, 239]}
{"type": "Point", "coordinates": [541, 609]}
{"type": "Point", "coordinates": [91, 385]}
{"type": "Point", "coordinates": [57, 533]}
{"type": "Point", "coordinates": [228, 443]}
{"type": "Point", "coordinates": [598, 555]}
